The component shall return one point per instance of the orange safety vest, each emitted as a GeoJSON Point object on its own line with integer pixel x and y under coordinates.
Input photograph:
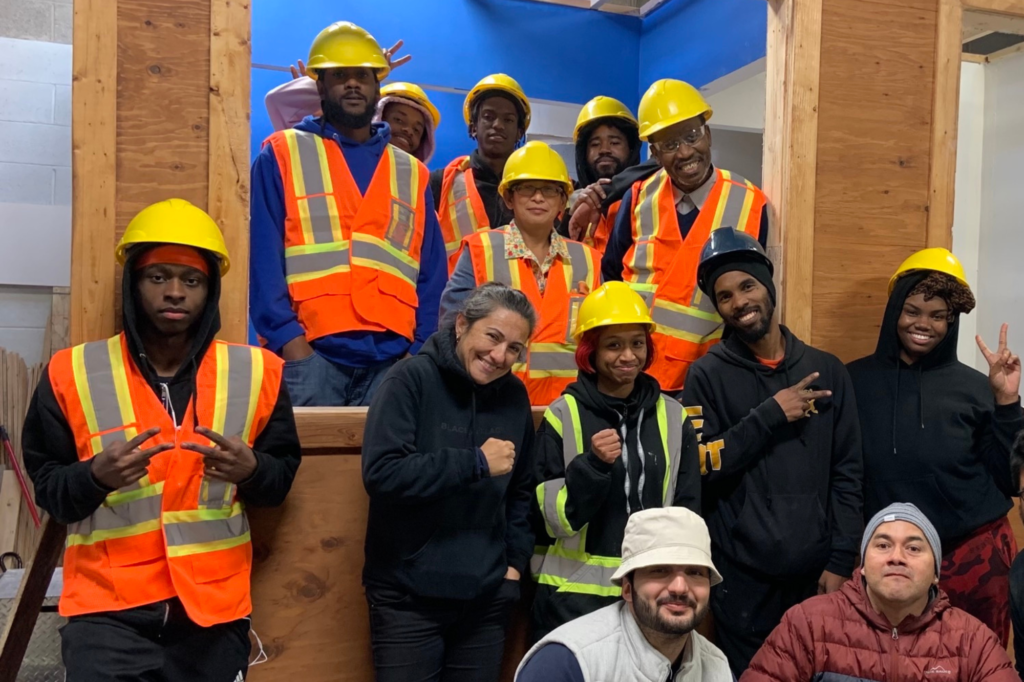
{"type": "Point", "coordinates": [598, 238]}
{"type": "Point", "coordinates": [339, 243]}
{"type": "Point", "coordinates": [549, 364]}
{"type": "Point", "coordinates": [174, 532]}
{"type": "Point", "coordinates": [663, 268]}
{"type": "Point", "coordinates": [461, 211]}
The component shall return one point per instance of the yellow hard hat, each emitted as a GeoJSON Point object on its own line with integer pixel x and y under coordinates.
{"type": "Point", "coordinates": [174, 221]}
{"type": "Point", "coordinates": [668, 102]}
{"type": "Point", "coordinates": [343, 44]}
{"type": "Point", "coordinates": [935, 259]}
{"type": "Point", "coordinates": [612, 303]}
{"type": "Point", "coordinates": [497, 81]}
{"type": "Point", "coordinates": [535, 161]}
{"type": "Point", "coordinates": [416, 94]}
{"type": "Point", "coordinates": [601, 107]}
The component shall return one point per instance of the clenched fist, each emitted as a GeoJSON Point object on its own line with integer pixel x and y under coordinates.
{"type": "Point", "coordinates": [607, 445]}
{"type": "Point", "coordinates": [500, 454]}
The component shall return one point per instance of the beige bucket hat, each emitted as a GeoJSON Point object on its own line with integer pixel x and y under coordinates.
{"type": "Point", "coordinates": [673, 536]}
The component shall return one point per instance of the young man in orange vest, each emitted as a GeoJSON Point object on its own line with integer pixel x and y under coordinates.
{"type": "Point", "coordinates": [466, 191]}
{"type": "Point", "coordinates": [347, 261]}
{"type": "Point", "coordinates": [656, 243]}
{"type": "Point", "coordinates": [149, 445]}
{"type": "Point", "coordinates": [607, 142]}
{"type": "Point", "coordinates": [555, 274]}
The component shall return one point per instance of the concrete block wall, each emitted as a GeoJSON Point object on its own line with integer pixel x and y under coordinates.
{"type": "Point", "coordinates": [35, 166]}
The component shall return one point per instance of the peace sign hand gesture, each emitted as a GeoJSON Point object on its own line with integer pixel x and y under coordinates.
{"type": "Point", "coordinates": [1003, 369]}
{"type": "Point", "coordinates": [231, 460]}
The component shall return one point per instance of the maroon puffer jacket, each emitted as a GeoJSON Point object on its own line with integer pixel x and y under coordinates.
{"type": "Point", "coordinates": [841, 634]}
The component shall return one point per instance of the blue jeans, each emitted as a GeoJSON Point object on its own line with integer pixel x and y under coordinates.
{"type": "Point", "coordinates": [318, 382]}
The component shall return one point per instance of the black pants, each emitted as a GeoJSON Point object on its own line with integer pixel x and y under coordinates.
{"type": "Point", "coordinates": [153, 643]}
{"type": "Point", "coordinates": [747, 606]}
{"type": "Point", "coordinates": [416, 639]}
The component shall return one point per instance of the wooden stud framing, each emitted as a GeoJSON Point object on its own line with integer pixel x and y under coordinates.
{"type": "Point", "coordinates": [945, 114]}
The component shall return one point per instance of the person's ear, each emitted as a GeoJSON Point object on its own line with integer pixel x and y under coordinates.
{"type": "Point", "coordinates": [508, 198]}
{"type": "Point", "coordinates": [461, 326]}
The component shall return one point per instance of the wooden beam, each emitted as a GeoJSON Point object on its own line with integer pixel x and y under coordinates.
{"type": "Point", "coordinates": [975, 58]}
{"type": "Point", "coordinates": [230, 60]}
{"type": "Point", "coordinates": [93, 169]}
{"type": "Point", "coordinates": [1015, 7]}
{"type": "Point", "coordinates": [790, 151]}
{"type": "Point", "coordinates": [945, 114]}
{"type": "Point", "coordinates": [18, 631]}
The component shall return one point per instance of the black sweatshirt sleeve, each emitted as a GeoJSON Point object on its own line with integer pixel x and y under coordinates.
{"type": "Point", "coordinates": [619, 242]}
{"type": "Point", "coordinates": [846, 488]}
{"type": "Point", "coordinates": [278, 454]}
{"type": "Point", "coordinates": [688, 480]}
{"type": "Point", "coordinates": [518, 534]}
{"type": "Point", "coordinates": [64, 486]}
{"type": "Point", "coordinates": [436, 179]}
{"type": "Point", "coordinates": [725, 451]}
{"type": "Point", "coordinates": [997, 436]}
{"type": "Point", "coordinates": [393, 470]}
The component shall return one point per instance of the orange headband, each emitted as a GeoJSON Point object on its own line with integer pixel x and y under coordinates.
{"type": "Point", "coordinates": [174, 254]}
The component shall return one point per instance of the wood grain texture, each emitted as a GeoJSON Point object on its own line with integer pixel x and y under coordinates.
{"type": "Point", "coordinates": [874, 161]}
{"type": "Point", "coordinates": [1015, 7]}
{"type": "Point", "coordinates": [945, 114]}
{"type": "Point", "coordinates": [93, 169]}
{"type": "Point", "coordinates": [10, 510]}
{"type": "Point", "coordinates": [228, 194]}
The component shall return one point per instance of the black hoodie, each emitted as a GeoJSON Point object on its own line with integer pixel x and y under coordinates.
{"type": "Point", "coordinates": [439, 526]}
{"type": "Point", "coordinates": [933, 434]}
{"type": "Point", "coordinates": [784, 499]}
{"type": "Point", "coordinates": [584, 174]}
{"type": "Point", "coordinates": [596, 490]}
{"type": "Point", "coordinates": [65, 487]}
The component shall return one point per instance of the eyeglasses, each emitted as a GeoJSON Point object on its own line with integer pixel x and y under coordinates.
{"type": "Point", "coordinates": [689, 138]}
{"type": "Point", "coordinates": [547, 191]}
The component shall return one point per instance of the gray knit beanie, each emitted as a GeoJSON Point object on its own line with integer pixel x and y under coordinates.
{"type": "Point", "coordinates": [904, 511]}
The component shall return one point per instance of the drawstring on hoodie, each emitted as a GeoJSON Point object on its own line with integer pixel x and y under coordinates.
{"type": "Point", "coordinates": [896, 399]}
{"type": "Point", "coordinates": [625, 460]}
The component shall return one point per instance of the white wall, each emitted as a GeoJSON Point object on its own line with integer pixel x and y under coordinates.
{"type": "Point", "coordinates": [1001, 248]}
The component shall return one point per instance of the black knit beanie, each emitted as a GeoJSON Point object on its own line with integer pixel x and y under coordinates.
{"type": "Point", "coordinates": [755, 268]}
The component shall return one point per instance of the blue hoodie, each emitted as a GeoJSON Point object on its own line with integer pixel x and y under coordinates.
{"type": "Point", "coordinates": [269, 303]}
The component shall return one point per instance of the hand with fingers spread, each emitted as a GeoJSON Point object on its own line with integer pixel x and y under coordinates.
{"type": "Point", "coordinates": [797, 401]}
{"type": "Point", "coordinates": [122, 464]}
{"type": "Point", "coordinates": [1003, 369]}
{"type": "Point", "coordinates": [607, 445]}
{"type": "Point", "coordinates": [586, 212]}
{"type": "Point", "coordinates": [389, 54]}
{"type": "Point", "coordinates": [500, 454]}
{"type": "Point", "coordinates": [228, 460]}
{"type": "Point", "coordinates": [299, 71]}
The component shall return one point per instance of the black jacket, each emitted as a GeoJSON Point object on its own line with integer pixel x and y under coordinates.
{"type": "Point", "coordinates": [439, 526]}
{"type": "Point", "coordinates": [784, 499]}
{"type": "Point", "coordinates": [596, 490]}
{"type": "Point", "coordinates": [486, 183]}
{"type": "Point", "coordinates": [933, 434]}
{"type": "Point", "coordinates": [65, 486]}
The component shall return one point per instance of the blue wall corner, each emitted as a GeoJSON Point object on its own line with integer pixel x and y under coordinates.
{"type": "Point", "coordinates": [699, 41]}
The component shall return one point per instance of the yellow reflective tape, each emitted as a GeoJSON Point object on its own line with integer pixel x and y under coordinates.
{"type": "Point", "coordinates": [564, 585]}
{"type": "Point", "coordinates": [114, 499]}
{"type": "Point", "coordinates": [220, 400]}
{"type": "Point", "coordinates": [325, 166]}
{"type": "Point", "coordinates": [540, 503]}
{"type": "Point", "coordinates": [397, 253]}
{"type": "Point", "coordinates": [120, 377]}
{"type": "Point", "coordinates": [307, 276]}
{"type": "Point", "coordinates": [114, 533]}
{"type": "Point", "coordinates": [488, 249]}
{"type": "Point", "coordinates": [305, 249]}
{"type": "Point", "coordinates": [560, 502]}
{"type": "Point", "coordinates": [574, 412]}
{"type": "Point", "coordinates": [194, 515]}
{"type": "Point", "coordinates": [254, 394]}
{"type": "Point", "coordinates": [663, 430]}
{"type": "Point", "coordinates": [723, 199]}
{"type": "Point", "coordinates": [515, 274]}
{"type": "Point", "coordinates": [299, 186]}
{"type": "Point", "coordinates": [85, 395]}
{"type": "Point", "coordinates": [383, 267]}
{"type": "Point", "coordinates": [748, 202]}
{"type": "Point", "coordinates": [552, 418]}
{"type": "Point", "coordinates": [394, 176]}
{"type": "Point", "coordinates": [202, 547]}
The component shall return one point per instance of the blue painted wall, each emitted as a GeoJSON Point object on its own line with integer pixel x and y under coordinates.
{"type": "Point", "coordinates": [699, 41]}
{"type": "Point", "coordinates": [555, 52]}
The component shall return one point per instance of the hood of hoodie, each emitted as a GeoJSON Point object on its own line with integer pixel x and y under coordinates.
{"type": "Point", "coordinates": [204, 330]}
{"type": "Point", "coordinates": [888, 348]}
{"type": "Point", "coordinates": [427, 144]}
{"type": "Point", "coordinates": [380, 134]}
{"type": "Point", "coordinates": [440, 348]}
{"type": "Point", "coordinates": [733, 351]}
{"type": "Point", "coordinates": [644, 397]}
{"type": "Point", "coordinates": [584, 175]}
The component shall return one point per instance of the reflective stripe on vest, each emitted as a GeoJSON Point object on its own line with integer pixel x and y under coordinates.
{"type": "Point", "coordinates": [461, 216]}
{"type": "Point", "coordinates": [102, 381]}
{"type": "Point", "coordinates": [566, 564]}
{"type": "Point", "coordinates": [325, 251]}
{"type": "Point", "coordinates": [205, 530]}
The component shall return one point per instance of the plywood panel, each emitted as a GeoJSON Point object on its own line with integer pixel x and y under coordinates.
{"type": "Point", "coordinates": [874, 162]}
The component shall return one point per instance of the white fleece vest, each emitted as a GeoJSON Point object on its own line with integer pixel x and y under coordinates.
{"type": "Point", "coordinates": [609, 647]}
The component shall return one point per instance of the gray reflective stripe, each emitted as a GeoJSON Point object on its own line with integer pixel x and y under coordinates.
{"type": "Point", "coordinates": [551, 490]}
{"type": "Point", "coordinates": [734, 204]}
{"type": "Point", "coordinates": [312, 176]}
{"type": "Point", "coordinates": [502, 266]}
{"type": "Point", "coordinates": [196, 532]}
{"type": "Point", "coordinates": [215, 493]}
{"type": "Point", "coordinates": [685, 323]}
{"type": "Point", "coordinates": [645, 239]}
{"type": "Point", "coordinates": [579, 268]}
{"type": "Point", "coordinates": [675, 446]}
{"type": "Point", "coordinates": [403, 170]}
{"type": "Point", "coordinates": [560, 408]}
{"type": "Point", "coordinates": [552, 361]}
{"type": "Point", "coordinates": [304, 263]}
{"type": "Point", "coordinates": [369, 251]}
{"type": "Point", "coordinates": [119, 516]}
{"type": "Point", "coordinates": [578, 572]}
{"type": "Point", "coordinates": [463, 209]}
{"type": "Point", "coordinates": [240, 389]}
{"type": "Point", "coordinates": [100, 376]}
{"type": "Point", "coordinates": [320, 218]}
